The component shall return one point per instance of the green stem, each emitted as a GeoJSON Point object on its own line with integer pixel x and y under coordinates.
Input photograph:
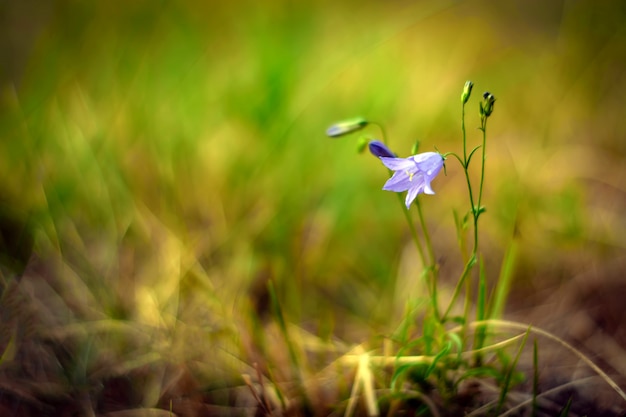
{"type": "Point", "coordinates": [482, 169]}
{"type": "Point", "coordinates": [459, 284]}
{"type": "Point", "coordinates": [469, 184]}
{"type": "Point", "coordinates": [481, 312]}
{"type": "Point", "coordinates": [473, 210]}
{"type": "Point", "coordinates": [412, 229]}
{"type": "Point", "coordinates": [432, 266]}
{"type": "Point", "coordinates": [429, 245]}
{"type": "Point", "coordinates": [472, 259]}
{"type": "Point", "coordinates": [382, 131]}
{"type": "Point", "coordinates": [466, 307]}
{"type": "Point", "coordinates": [464, 137]}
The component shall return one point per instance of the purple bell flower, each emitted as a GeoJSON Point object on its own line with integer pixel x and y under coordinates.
{"type": "Point", "coordinates": [413, 174]}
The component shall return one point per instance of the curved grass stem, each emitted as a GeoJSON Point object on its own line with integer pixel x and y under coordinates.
{"type": "Point", "coordinates": [505, 324]}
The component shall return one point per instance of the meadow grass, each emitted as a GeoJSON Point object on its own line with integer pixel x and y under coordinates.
{"type": "Point", "coordinates": [179, 236]}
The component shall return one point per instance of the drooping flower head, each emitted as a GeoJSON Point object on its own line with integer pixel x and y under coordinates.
{"type": "Point", "coordinates": [413, 174]}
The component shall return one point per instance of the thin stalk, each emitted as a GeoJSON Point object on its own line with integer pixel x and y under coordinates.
{"type": "Point", "coordinates": [466, 306]}
{"type": "Point", "coordinates": [469, 184]}
{"type": "Point", "coordinates": [472, 260]}
{"type": "Point", "coordinates": [459, 284]}
{"type": "Point", "coordinates": [477, 210]}
{"type": "Point", "coordinates": [429, 245]}
{"type": "Point", "coordinates": [464, 136]}
{"type": "Point", "coordinates": [412, 229]}
{"type": "Point", "coordinates": [474, 216]}
{"type": "Point", "coordinates": [383, 133]}
{"type": "Point", "coordinates": [432, 264]}
{"type": "Point", "coordinates": [482, 168]}
{"type": "Point", "coordinates": [481, 311]}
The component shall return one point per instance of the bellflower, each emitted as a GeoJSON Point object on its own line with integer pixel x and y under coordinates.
{"type": "Point", "coordinates": [413, 174]}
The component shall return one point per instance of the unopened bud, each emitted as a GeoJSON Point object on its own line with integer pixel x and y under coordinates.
{"type": "Point", "coordinates": [346, 126]}
{"type": "Point", "coordinates": [378, 149]}
{"type": "Point", "coordinates": [415, 147]}
{"type": "Point", "coordinates": [467, 91]}
{"type": "Point", "coordinates": [486, 107]}
{"type": "Point", "coordinates": [362, 144]}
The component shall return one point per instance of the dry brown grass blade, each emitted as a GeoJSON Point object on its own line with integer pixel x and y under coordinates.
{"type": "Point", "coordinates": [521, 326]}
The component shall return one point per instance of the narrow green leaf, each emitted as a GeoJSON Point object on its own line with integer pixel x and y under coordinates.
{"type": "Point", "coordinates": [509, 374]}
{"type": "Point", "coordinates": [504, 280]}
{"type": "Point", "coordinates": [565, 411]}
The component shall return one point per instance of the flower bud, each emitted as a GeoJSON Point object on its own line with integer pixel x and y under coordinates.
{"type": "Point", "coordinates": [467, 91]}
{"type": "Point", "coordinates": [486, 108]}
{"type": "Point", "coordinates": [362, 144]}
{"type": "Point", "coordinates": [378, 149]}
{"type": "Point", "coordinates": [415, 147]}
{"type": "Point", "coordinates": [346, 126]}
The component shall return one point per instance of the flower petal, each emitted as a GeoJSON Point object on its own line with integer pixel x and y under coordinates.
{"type": "Point", "coordinates": [410, 196]}
{"type": "Point", "coordinates": [400, 181]}
{"type": "Point", "coordinates": [424, 156]}
{"type": "Point", "coordinates": [429, 162]}
{"type": "Point", "coordinates": [395, 164]}
{"type": "Point", "coordinates": [413, 174]}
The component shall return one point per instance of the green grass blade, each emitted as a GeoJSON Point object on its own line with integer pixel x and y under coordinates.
{"type": "Point", "coordinates": [565, 411]}
{"type": "Point", "coordinates": [507, 379]}
{"type": "Point", "coordinates": [481, 309]}
{"type": "Point", "coordinates": [504, 280]}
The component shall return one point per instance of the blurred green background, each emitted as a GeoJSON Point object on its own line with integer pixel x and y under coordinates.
{"type": "Point", "coordinates": [168, 158]}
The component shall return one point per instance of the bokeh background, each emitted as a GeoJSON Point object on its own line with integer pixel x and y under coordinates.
{"type": "Point", "coordinates": [161, 161]}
